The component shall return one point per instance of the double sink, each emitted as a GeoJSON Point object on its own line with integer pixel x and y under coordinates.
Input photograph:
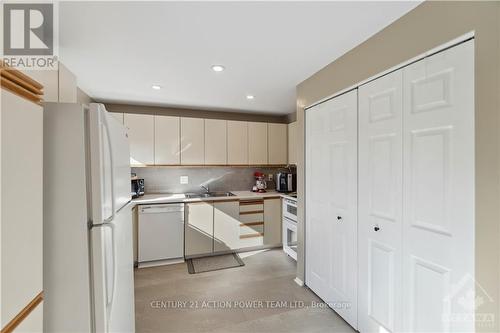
{"type": "Point", "coordinates": [209, 195]}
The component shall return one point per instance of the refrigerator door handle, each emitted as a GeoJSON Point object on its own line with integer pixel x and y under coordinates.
{"type": "Point", "coordinates": [112, 167]}
{"type": "Point", "coordinates": [110, 296]}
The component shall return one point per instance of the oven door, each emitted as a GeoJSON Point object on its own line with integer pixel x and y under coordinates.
{"type": "Point", "coordinates": [290, 209]}
{"type": "Point", "coordinates": [290, 237]}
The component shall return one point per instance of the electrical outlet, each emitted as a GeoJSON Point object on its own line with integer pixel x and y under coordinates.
{"type": "Point", "coordinates": [184, 180]}
{"type": "Point", "coordinates": [270, 177]}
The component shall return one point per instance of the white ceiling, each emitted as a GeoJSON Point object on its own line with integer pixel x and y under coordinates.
{"type": "Point", "coordinates": [118, 50]}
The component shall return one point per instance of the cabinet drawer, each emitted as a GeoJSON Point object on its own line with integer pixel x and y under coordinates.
{"type": "Point", "coordinates": [249, 218]}
{"type": "Point", "coordinates": [258, 207]}
{"type": "Point", "coordinates": [251, 240]}
{"type": "Point", "coordinates": [251, 229]}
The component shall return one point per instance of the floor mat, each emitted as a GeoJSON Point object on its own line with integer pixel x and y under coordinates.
{"type": "Point", "coordinates": [214, 263]}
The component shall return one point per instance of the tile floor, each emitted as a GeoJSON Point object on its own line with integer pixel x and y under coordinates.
{"type": "Point", "coordinates": [169, 299]}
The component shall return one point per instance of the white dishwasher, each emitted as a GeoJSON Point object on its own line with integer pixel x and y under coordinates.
{"type": "Point", "coordinates": [160, 234]}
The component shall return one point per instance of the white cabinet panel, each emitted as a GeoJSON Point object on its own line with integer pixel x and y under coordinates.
{"type": "Point", "coordinates": [292, 143]}
{"type": "Point", "coordinates": [192, 141]}
{"type": "Point", "coordinates": [215, 141]}
{"type": "Point", "coordinates": [277, 143]}
{"type": "Point", "coordinates": [380, 203]}
{"type": "Point", "coordinates": [167, 140]}
{"type": "Point", "coordinates": [257, 143]}
{"type": "Point", "coordinates": [21, 203]}
{"type": "Point", "coordinates": [226, 225]}
{"type": "Point", "coordinates": [272, 221]}
{"type": "Point", "coordinates": [141, 137]}
{"type": "Point", "coordinates": [199, 231]}
{"type": "Point", "coordinates": [331, 220]}
{"type": "Point", "coordinates": [237, 142]}
{"type": "Point", "coordinates": [438, 178]}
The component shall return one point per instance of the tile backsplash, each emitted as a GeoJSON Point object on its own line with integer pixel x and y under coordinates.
{"type": "Point", "coordinates": [167, 179]}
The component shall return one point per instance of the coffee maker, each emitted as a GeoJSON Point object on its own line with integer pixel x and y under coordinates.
{"type": "Point", "coordinates": [286, 182]}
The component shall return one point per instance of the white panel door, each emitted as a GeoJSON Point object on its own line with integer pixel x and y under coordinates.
{"type": "Point", "coordinates": [192, 141]}
{"type": "Point", "coordinates": [237, 142]}
{"type": "Point", "coordinates": [257, 143]}
{"type": "Point", "coordinates": [277, 143]}
{"type": "Point", "coordinates": [438, 178]}
{"type": "Point", "coordinates": [167, 140]}
{"type": "Point", "coordinates": [331, 194]}
{"type": "Point", "coordinates": [215, 141]}
{"type": "Point", "coordinates": [380, 204]}
{"type": "Point", "coordinates": [141, 135]}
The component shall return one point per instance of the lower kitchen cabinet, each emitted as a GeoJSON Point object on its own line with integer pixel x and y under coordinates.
{"type": "Point", "coordinates": [199, 224]}
{"type": "Point", "coordinates": [272, 221]}
{"type": "Point", "coordinates": [232, 225]}
{"type": "Point", "coordinates": [226, 225]}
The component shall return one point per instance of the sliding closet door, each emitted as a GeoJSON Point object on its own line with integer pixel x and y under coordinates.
{"type": "Point", "coordinates": [331, 203]}
{"type": "Point", "coordinates": [438, 178]}
{"type": "Point", "coordinates": [380, 204]}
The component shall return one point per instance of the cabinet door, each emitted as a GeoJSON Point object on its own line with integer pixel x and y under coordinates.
{"type": "Point", "coordinates": [257, 143]}
{"type": "Point", "coordinates": [272, 221]}
{"type": "Point", "coordinates": [167, 140]}
{"type": "Point", "coordinates": [141, 137]}
{"type": "Point", "coordinates": [118, 116]}
{"type": "Point", "coordinates": [237, 142]}
{"type": "Point", "coordinates": [215, 141]}
{"type": "Point", "coordinates": [226, 225]}
{"type": "Point", "coordinates": [380, 204]}
{"type": "Point", "coordinates": [192, 141]}
{"type": "Point", "coordinates": [21, 203]}
{"type": "Point", "coordinates": [331, 194]}
{"type": "Point", "coordinates": [438, 193]}
{"type": "Point", "coordinates": [199, 228]}
{"type": "Point", "coordinates": [277, 143]}
{"type": "Point", "coordinates": [292, 143]}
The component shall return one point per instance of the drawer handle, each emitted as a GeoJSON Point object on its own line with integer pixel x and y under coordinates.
{"type": "Point", "coordinates": [376, 228]}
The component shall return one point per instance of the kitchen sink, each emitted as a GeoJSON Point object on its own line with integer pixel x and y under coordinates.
{"type": "Point", "coordinates": [209, 195]}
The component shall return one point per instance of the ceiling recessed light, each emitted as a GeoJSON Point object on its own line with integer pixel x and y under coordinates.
{"type": "Point", "coordinates": [218, 68]}
{"type": "Point", "coordinates": [250, 97]}
{"type": "Point", "coordinates": [156, 87]}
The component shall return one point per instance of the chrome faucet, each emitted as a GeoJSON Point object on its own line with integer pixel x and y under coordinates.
{"type": "Point", "coordinates": [205, 188]}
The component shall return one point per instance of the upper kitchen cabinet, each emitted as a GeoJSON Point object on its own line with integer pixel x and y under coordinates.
{"type": "Point", "coordinates": [277, 143]}
{"type": "Point", "coordinates": [237, 142]}
{"type": "Point", "coordinates": [215, 142]}
{"type": "Point", "coordinates": [59, 85]}
{"type": "Point", "coordinates": [167, 140]}
{"type": "Point", "coordinates": [257, 143]}
{"type": "Point", "coordinates": [192, 141]}
{"type": "Point", "coordinates": [141, 136]}
{"type": "Point", "coordinates": [292, 143]}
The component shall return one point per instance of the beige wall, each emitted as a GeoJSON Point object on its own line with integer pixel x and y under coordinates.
{"type": "Point", "coordinates": [82, 97]}
{"type": "Point", "coordinates": [427, 26]}
{"type": "Point", "coordinates": [195, 113]}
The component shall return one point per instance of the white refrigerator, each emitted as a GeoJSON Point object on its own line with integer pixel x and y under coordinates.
{"type": "Point", "coordinates": [88, 254]}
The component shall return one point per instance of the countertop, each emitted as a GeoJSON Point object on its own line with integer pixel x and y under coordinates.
{"type": "Point", "coordinates": [161, 198]}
